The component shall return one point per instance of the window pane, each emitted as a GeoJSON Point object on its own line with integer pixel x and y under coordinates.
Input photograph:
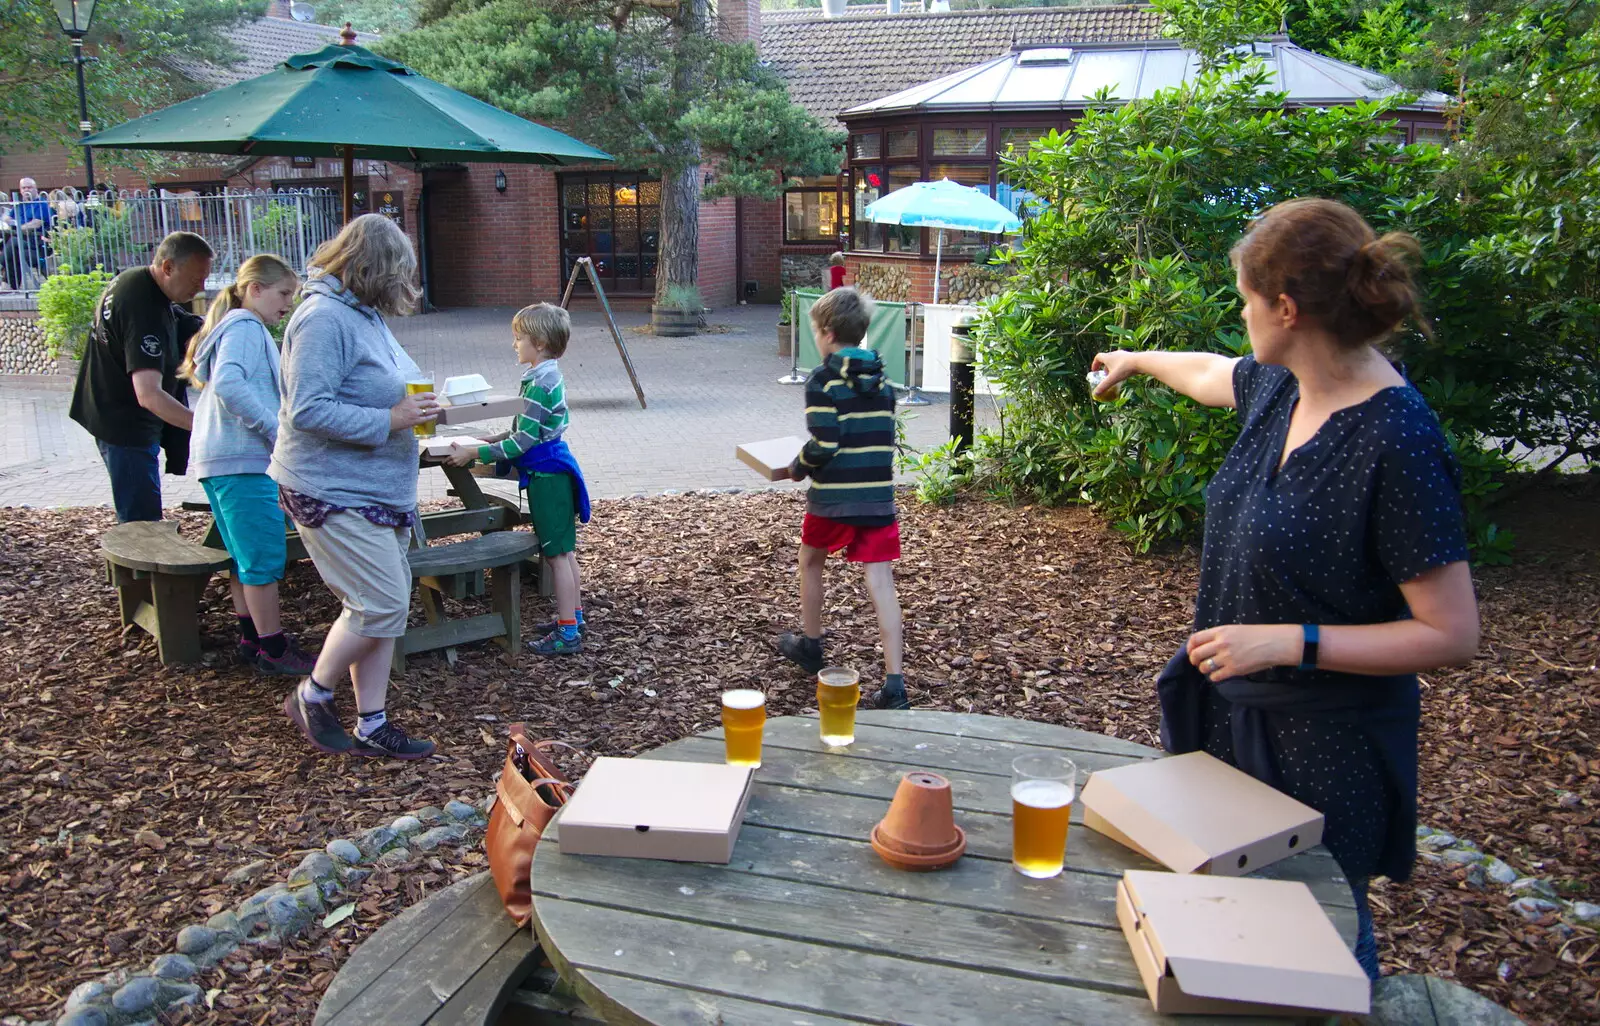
{"type": "Point", "coordinates": [865, 147]}
{"type": "Point", "coordinates": [976, 175]}
{"type": "Point", "coordinates": [599, 194]}
{"type": "Point", "coordinates": [811, 215]}
{"type": "Point", "coordinates": [626, 195]}
{"type": "Point", "coordinates": [903, 144]}
{"type": "Point", "coordinates": [868, 182]}
{"type": "Point", "coordinates": [900, 238]}
{"type": "Point", "coordinates": [812, 181]}
{"type": "Point", "coordinates": [1020, 137]}
{"type": "Point", "coordinates": [961, 141]}
{"type": "Point", "coordinates": [650, 193]}
{"type": "Point", "coordinates": [1438, 135]}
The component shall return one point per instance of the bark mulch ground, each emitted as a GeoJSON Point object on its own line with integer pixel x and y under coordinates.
{"type": "Point", "coordinates": [128, 790]}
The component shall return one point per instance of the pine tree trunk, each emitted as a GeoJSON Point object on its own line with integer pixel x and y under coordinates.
{"type": "Point", "coordinates": [680, 229]}
{"type": "Point", "coordinates": [679, 261]}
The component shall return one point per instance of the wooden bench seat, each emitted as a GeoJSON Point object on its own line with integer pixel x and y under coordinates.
{"type": "Point", "coordinates": [160, 577]}
{"type": "Point", "coordinates": [442, 571]}
{"type": "Point", "coordinates": [453, 959]}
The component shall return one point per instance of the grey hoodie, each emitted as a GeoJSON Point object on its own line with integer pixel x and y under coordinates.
{"type": "Point", "coordinates": [236, 416]}
{"type": "Point", "coordinates": [342, 371]}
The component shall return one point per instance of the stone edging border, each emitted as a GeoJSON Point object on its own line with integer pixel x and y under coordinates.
{"type": "Point", "coordinates": [1533, 897]}
{"type": "Point", "coordinates": [126, 997]}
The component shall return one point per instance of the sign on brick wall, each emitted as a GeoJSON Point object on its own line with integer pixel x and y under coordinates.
{"type": "Point", "coordinates": [392, 204]}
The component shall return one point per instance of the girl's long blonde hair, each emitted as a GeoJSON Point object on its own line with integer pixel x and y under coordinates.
{"type": "Point", "coordinates": [264, 269]}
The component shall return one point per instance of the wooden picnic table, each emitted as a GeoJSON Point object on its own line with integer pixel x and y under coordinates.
{"type": "Point", "coordinates": [807, 924]}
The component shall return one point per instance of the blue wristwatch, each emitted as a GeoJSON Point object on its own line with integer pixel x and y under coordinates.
{"type": "Point", "coordinates": [1308, 653]}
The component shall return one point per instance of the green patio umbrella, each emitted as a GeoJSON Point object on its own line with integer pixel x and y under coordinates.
{"type": "Point", "coordinates": [346, 101]}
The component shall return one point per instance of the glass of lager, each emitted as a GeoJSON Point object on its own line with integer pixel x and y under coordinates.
{"type": "Point", "coordinates": [417, 387]}
{"type": "Point", "coordinates": [744, 713]}
{"type": "Point", "coordinates": [838, 692]}
{"type": "Point", "coordinates": [1042, 789]}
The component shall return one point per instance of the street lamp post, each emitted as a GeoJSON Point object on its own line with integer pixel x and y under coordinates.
{"type": "Point", "coordinates": [75, 16]}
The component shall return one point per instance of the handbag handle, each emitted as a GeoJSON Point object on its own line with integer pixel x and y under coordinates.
{"type": "Point", "coordinates": [518, 814]}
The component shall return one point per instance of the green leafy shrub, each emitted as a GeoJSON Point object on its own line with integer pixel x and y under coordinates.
{"type": "Point", "coordinates": [66, 308]}
{"type": "Point", "coordinates": [272, 227]}
{"type": "Point", "coordinates": [74, 246]}
{"type": "Point", "coordinates": [786, 308]}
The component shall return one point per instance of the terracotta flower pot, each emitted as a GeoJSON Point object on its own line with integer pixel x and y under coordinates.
{"type": "Point", "coordinates": [920, 830]}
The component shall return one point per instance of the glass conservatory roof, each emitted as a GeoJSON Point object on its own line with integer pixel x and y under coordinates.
{"type": "Point", "coordinates": [1067, 76]}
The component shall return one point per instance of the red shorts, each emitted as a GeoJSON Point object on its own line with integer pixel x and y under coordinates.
{"type": "Point", "coordinates": [860, 544]}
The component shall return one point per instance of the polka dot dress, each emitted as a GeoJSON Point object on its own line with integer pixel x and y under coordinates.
{"type": "Point", "coordinates": [1370, 501]}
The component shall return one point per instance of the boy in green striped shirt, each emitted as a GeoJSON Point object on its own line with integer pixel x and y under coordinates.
{"type": "Point", "coordinates": [557, 497]}
{"type": "Point", "coordinates": [850, 460]}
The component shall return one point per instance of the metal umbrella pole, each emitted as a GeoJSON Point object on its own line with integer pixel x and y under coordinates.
{"type": "Point", "coordinates": [794, 377]}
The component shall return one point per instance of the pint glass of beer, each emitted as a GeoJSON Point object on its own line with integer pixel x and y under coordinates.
{"type": "Point", "coordinates": [1042, 789]}
{"type": "Point", "coordinates": [744, 713]}
{"type": "Point", "coordinates": [838, 692]}
{"type": "Point", "coordinates": [417, 387]}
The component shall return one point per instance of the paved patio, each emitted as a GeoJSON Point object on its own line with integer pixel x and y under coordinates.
{"type": "Point", "coordinates": [706, 394]}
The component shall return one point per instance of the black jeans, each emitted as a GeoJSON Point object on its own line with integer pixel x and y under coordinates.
{"type": "Point", "coordinates": [18, 251]}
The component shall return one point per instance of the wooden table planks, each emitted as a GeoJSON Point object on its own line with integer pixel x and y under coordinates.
{"type": "Point", "coordinates": [808, 925]}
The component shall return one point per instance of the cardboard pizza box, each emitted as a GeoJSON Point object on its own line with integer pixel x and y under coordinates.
{"type": "Point", "coordinates": [771, 459]}
{"type": "Point", "coordinates": [650, 809]}
{"type": "Point", "coordinates": [494, 408]}
{"type": "Point", "coordinates": [1196, 814]}
{"type": "Point", "coordinates": [1208, 945]}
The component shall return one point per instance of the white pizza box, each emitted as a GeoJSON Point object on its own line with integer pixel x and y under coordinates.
{"type": "Point", "coordinates": [771, 458]}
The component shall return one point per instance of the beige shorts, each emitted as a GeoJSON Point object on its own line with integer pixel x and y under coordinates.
{"type": "Point", "coordinates": [365, 565]}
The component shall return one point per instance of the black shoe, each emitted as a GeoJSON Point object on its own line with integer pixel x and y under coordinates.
{"type": "Point", "coordinates": [246, 652]}
{"type": "Point", "coordinates": [804, 652]}
{"type": "Point", "coordinates": [389, 740]}
{"type": "Point", "coordinates": [319, 722]}
{"type": "Point", "coordinates": [295, 661]}
{"type": "Point", "coordinates": [885, 698]}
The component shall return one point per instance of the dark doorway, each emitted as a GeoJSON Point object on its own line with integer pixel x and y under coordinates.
{"type": "Point", "coordinates": [613, 219]}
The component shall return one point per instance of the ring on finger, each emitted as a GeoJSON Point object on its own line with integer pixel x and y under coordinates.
{"type": "Point", "coordinates": [1211, 665]}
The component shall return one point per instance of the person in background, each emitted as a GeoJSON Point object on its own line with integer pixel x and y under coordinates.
{"type": "Point", "coordinates": [128, 394]}
{"type": "Point", "coordinates": [346, 466]}
{"type": "Point", "coordinates": [233, 360]}
{"type": "Point", "coordinates": [850, 506]}
{"type": "Point", "coordinates": [1334, 567]}
{"type": "Point", "coordinates": [836, 271]}
{"type": "Point", "coordinates": [27, 224]}
{"type": "Point", "coordinates": [548, 472]}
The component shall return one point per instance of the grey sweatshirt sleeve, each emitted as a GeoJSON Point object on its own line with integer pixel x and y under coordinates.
{"type": "Point", "coordinates": [243, 379]}
{"type": "Point", "coordinates": [314, 367]}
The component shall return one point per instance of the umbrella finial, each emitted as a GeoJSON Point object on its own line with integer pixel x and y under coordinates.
{"type": "Point", "coordinates": [348, 36]}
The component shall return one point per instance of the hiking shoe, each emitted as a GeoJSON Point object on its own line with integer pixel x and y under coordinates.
{"type": "Point", "coordinates": [554, 643]}
{"type": "Point", "coordinates": [295, 661]}
{"type": "Point", "coordinates": [804, 652]}
{"type": "Point", "coordinates": [319, 722]}
{"type": "Point", "coordinates": [247, 651]}
{"type": "Point", "coordinates": [884, 698]}
{"type": "Point", "coordinates": [391, 741]}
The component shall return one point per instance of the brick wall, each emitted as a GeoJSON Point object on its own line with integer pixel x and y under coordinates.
{"type": "Point", "coordinates": [491, 248]}
{"type": "Point", "coordinates": [739, 21]}
{"type": "Point", "coordinates": [717, 247]}
{"type": "Point", "coordinates": [763, 242]}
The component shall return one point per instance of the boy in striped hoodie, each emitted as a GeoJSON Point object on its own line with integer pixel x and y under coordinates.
{"type": "Point", "coordinates": [850, 460]}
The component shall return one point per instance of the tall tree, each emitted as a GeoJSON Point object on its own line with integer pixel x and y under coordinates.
{"type": "Point", "coordinates": [647, 82]}
{"type": "Point", "coordinates": [39, 92]}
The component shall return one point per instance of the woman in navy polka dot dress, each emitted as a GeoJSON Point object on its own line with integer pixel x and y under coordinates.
{"type": "Point", "coordinates": [1335, 560]}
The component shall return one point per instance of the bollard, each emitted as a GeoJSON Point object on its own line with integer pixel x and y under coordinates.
{"type": "Point", "coordinates": [963, 374]}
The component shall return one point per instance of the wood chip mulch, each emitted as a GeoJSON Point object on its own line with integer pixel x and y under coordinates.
{"type": "Point", "coordinates": [128, 790]}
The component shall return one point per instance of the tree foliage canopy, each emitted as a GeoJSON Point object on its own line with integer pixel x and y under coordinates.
{"type": "Point", "coordinates": [39, 90]}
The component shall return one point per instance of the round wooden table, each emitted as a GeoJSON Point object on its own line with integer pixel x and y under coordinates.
{"type": "Point", "coordinates": [807, 924]}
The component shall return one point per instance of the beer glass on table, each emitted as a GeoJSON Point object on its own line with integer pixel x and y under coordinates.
{"type": "Point", "coordinates": [838, 693]}
{"type": "Point", "coordinates": [417, 386]}
{"type": "Point", "coordinates": [744, 713]}
{"type": "Point", "coordinates": [1042, 789]}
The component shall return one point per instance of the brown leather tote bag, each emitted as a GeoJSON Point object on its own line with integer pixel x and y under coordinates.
{"type": "Point", "coordinates": [530, 790]}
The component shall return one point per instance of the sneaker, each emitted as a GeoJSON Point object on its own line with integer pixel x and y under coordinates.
{"type": "Point", "coordinates": [319, 722]}
{"type": "Point", "coordinates": [390, 740]}
{"type": "Point", "coordinates": [883, 698]}
{"type": "Point", "coordinates": [247, 651]}
{"type": "Point", "coordinates": [295, 661]}
{"type": "Point", "coordinates": [551, 626]}
{"type": "Point", "coordinates": [554, 643]}
{"type": "Point", "coordinates": [804, 652]}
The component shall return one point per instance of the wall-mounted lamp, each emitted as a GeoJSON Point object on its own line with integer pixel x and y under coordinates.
{"type": "Point", "coordinates": [499, 181]}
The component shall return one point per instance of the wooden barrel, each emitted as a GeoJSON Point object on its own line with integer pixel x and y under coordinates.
{"type": "Point", "coordinates": [674, 323]}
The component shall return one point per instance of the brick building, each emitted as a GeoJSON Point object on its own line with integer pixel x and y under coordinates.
{"type": "Point", "coordinates": [923, 95]}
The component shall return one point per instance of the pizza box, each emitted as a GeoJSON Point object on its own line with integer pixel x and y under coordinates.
{"type": "Point", "coordinates": [771, 458]}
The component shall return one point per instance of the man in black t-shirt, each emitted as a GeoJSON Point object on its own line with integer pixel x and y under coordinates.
{"type": "Point", "coordinates": [128, 388]}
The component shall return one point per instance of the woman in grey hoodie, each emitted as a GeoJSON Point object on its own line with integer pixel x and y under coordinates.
{"type": "Point", "coordinates": [346, 466]}
{"type": "Point", "coordinates": [234, 362]}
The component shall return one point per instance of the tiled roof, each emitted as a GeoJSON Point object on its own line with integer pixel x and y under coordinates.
{"type": "Point", "coordinates": [263, 43]}
{"type": "Point", "coordinates": [832, 64]}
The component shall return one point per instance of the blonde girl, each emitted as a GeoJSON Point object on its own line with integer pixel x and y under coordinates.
{"type": "Point", "coordinates": [233, 360]}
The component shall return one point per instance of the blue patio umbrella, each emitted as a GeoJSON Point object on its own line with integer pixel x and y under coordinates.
{"type": "Point", "coordinates": [943, 205]}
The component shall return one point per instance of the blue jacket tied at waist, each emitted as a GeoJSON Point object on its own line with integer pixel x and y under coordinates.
{"type": "Point", "coordinates": [554, 457]}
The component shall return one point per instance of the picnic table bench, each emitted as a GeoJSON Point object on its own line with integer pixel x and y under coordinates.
{"type": "Point", "coordinates": [806, 923]}
{"type": "Point", "coordinates": [159, 577]}
{"type": "Point", "coordinates": [445, 570]}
